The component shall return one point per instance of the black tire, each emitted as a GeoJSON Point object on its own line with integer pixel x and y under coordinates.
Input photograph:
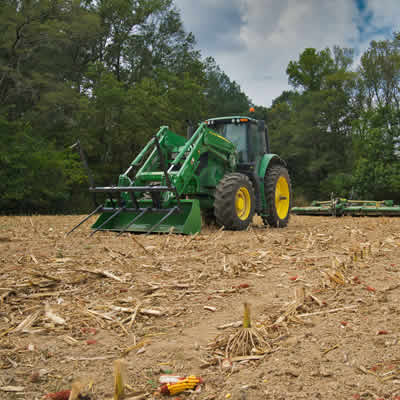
{"type": "Point", "coordinates": [277, 179]}
{"type": "Point", "coordinates": [234, 203]}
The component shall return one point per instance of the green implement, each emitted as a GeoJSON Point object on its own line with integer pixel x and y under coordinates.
{"type": "Point", "coordinates": [185, 219]}
{"type": "Point", "coordinates": [223, 171]}
{"type": "Point", "coordinates": [339, 207]}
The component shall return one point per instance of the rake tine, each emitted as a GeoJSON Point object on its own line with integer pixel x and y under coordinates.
{"type": "Point", "coordinates": [85, 219]}
{"type": "Point", "coordinates": [119, 210]}
{"type": "Point", "coordinates": [162, 219]}
{"type": "Point", "coordinates": [134, 220]}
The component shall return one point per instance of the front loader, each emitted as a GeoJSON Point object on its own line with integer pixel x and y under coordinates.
{"type": "Point", "coordinates": [223, 171]}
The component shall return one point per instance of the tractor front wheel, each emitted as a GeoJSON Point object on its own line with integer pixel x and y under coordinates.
{"type": "Point", "coordinates": [278, 194]}
{"type": "Point", "coordinates": [234, 202]}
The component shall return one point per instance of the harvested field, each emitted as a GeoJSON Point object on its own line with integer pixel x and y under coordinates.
{"type": "Point", "coordinates": [325, 291]}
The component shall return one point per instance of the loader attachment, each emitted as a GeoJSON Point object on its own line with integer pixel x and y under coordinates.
{"type": "Point", "coordinates": [152, 201]}
{"type": "Point", "coordinates": [185, 218]}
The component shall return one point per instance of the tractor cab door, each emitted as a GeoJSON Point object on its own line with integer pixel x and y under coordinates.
{"type": "Point", "coordinates": [256, 138]}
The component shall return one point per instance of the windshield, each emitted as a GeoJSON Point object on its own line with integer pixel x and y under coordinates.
{"type": "Point", "coordinates": [237, 135]}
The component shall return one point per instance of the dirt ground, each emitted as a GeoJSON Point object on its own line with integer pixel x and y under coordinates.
{"type": "Point", "coordinates": [71, 306]}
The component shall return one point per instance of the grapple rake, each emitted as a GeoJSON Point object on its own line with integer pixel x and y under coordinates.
{"type": "Point", "coordinates": [125, 208]}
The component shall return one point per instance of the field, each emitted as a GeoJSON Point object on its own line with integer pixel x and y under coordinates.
{"type": "Point", "coordinates": [325, 292]}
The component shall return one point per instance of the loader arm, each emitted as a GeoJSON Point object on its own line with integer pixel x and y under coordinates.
{"type": "Point", "coordinates": [203, 141]}
{"type": "Point", "coordinates": [181, 170]}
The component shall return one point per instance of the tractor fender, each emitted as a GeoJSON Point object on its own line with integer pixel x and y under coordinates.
{"type": "Point", "coordinates": [267, 161]}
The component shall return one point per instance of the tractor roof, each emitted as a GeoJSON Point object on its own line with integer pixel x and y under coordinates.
{"type": "Point", "coordinates": [230, 118]}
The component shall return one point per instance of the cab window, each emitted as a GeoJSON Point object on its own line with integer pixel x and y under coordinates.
{"type": "Point", "coordinates": [235, 133]}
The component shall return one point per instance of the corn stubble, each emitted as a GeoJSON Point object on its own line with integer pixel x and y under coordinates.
{"type": "Point", "coordinates": [119, 379]}
{"type": "Point", "coordinates": [247, 340]}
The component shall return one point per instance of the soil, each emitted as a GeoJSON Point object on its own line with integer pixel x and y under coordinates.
{"type": "Point", "coordinates": [71, 306]}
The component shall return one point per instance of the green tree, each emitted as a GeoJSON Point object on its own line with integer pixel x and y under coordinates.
{"type": "Point", "coordinates": [380, 73]}
{"type": "Point", "coordinates": [33, 174]}
{"type": "Point", "coordinates": [377, 159]}
{"type": "Point", "coordinates": [311, 128]}
{"type": "Point", "coordinates": [44, 48]}
{"type": "Point", "coordinates": [376, 135]}
{"type": "Point", "coordinates": [309, 71]}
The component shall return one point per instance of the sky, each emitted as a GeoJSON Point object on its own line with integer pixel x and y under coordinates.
{"type": "Point", "coordinates": [253, 41]}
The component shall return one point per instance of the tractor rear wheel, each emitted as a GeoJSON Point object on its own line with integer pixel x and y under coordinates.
{"type": "Point", "coordinates": [278, 194]}
{"type": "Point", "coordinates": [234, 202]}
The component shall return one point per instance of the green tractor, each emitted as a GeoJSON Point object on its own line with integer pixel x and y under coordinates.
{"type": "Point", "coordinates": [223, 171]}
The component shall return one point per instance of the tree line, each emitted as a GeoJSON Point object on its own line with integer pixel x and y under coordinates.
{"type": "Point", "coordinates": [110, 72]}
{"type": "Point", "coordinates": [338, 128]}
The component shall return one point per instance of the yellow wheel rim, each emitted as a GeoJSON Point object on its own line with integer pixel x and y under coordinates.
{"type": "Point", "coordinates": [243, 203]}
{"type": "Point", "coordinates": [282, 197]}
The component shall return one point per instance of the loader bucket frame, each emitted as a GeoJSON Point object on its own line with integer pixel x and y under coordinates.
{"type": "Point", "coordinates": [123, 212]}
{"type": "Point", "coordinates": [184, 219]}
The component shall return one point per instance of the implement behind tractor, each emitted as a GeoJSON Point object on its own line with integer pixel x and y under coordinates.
{"type": "Point", "coordinates": [356, 208]}
{"type": "Point", "coordinates": [223, 172]}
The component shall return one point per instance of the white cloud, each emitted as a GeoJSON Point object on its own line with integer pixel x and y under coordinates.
{"type": "Point", "coordinates": [216, 24]}
{"type": "Point", "coordinates": [289, 27]}
{"type": "Point", "coordinates": [254, 40]}
{"type": "Point", "coordinates": [385, 13]}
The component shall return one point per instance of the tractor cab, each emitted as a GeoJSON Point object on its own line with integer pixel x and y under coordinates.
{"type": "Point", "coordinates": [247, 134]}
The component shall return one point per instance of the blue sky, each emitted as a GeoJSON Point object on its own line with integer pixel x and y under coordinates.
{"type": "Point", "coordinates": [254, 40]}
{"type": "Point", "coordinates": [367, 27]}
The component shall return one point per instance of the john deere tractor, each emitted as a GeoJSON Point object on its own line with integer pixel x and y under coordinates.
{"type": "Point", "coordinates": [223, 171]}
